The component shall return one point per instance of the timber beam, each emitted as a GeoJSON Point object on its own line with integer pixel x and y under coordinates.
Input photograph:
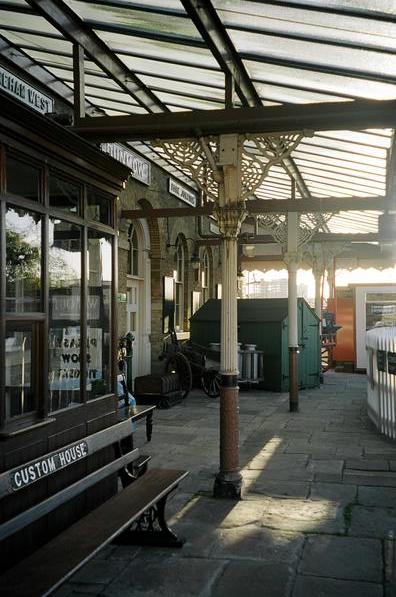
{"type": "Point", "coordinates": [262, 206]}
{"type": "Point", "coordinates": [318, 237]}
{"type": "Point", "coordinates": [354, 115]}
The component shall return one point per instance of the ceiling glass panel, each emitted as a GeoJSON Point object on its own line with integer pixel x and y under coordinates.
{"type": "Point", "coordinates": [203, 91]}
{"type": "Point", "coordinates": [110, 94]}
{"type": "Point", "coordinates": [172, 70]}
{"type": "Point", "coordinates": [341, 171]}
{"type": "Point", "coordinates": [317, 81]}
{"type": "Point", "coordinates": [30, 22]}
{"type": "Point", "coordinates": [378, 183]}
{"type": "Point", "coordinates": [24, 40]}
{"type": "Point", "coordinates": [188, 102]}
{"type": "Point", "coordinates": [59, 60]}
{"type": "Point", "coordinates": [143, 21]}
{"type": "Point", "coordinates": [115, 106]}
{"type": "Point", "coordinates": [362, 137]}
{"type": "Point", "coordinates": [17, 2]}
{"type": "Point", "coordinates": [317, 139]}
{"type": "Point", "coordinates": [366, 7]}
{"type": "Point", "coordinates": [157, 49]}
{"type": "Point", "coordinates": [115, 113]}
{"type": "Point", "coordinates": [354, 188]}
{"type": "Point", "coordinates": [284, 20]}
{"type": "Point", "coordinates": [173, 6]}
{"type": "Point", "coordinates": [362, 61]}
{"type": "Point", "coordinates": [325, 152]}
{"type": "Point", "coordinates": [294, 96]}
{"type": "Point", "coordinates": [123, 99]}
{"type": "Point", "coordinates": [351, 221]}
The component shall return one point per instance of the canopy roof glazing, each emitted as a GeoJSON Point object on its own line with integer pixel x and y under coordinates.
{"type": "Point", "coordinates": [291, 52]}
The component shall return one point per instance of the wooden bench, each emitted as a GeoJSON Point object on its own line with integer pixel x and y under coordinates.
{"type": "Point", "coordinates": [135, 515]}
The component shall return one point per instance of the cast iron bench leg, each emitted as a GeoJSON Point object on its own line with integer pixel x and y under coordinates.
{"type": "Point", "coordinates": [151, 529]}
{"type": "Point", "coordinates": [149, 426]}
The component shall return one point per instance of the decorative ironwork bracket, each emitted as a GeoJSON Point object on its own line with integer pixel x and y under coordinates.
{"type": "Point", "coordinates": [206, 159]}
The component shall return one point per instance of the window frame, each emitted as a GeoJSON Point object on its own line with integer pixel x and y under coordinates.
{"type": "Point", "coordinates": [179, 282]}
{"type": "Point", "coordinates": [42, 207]}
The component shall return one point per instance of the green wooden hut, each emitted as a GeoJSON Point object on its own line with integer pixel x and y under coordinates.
{"type": "Point", "coordinates": [264, 322]}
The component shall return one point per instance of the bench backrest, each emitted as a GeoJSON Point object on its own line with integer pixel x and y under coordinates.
{"type": "Point", "coordinates": [49, 464]}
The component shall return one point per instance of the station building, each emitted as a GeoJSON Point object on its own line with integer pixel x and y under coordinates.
{"type": "Point", "coordinates": [91, 244]}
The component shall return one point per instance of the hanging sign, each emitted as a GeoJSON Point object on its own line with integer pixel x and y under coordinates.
{"type": "Point", "coordinates": [45, 466]}
{"type": "Point", "coordinates": [25, 93]}
{"type": "Point", "coordinates": [181, 192]}
{"type": "Point", "coordinates": [214, 228]}
{"type": "Point", "coordinates": [140, 168]}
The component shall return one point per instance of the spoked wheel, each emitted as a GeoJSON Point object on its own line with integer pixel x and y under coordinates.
{"type": "Point", "coordinates": [210, 381]}
{"type": "Point", "coordinates": [179, 364]}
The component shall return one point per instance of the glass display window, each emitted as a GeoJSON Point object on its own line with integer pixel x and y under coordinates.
{"type": "Point", "coordinates": [98, 207]}
{"type": "Point", "coordinates": [64, 194]}
{"type": "Point", "coordinates": [22, 178]}
{"type": "Point", "coordinates": [64, 363]}
{"type": "Point", "coordinates": [99, 314]}
{"type": "Point", "coordinates": [56, 292]}
{"type": "Point", "coordinates": [23, 260]}
{"type": "Point", "coordinates": [22, 353]}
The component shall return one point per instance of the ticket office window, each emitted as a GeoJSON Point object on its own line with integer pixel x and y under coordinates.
{"type": "Point", "coordinates": [56, 292]}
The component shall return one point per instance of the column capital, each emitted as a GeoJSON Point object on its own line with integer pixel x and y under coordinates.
{"type": "Point", "coordinates": [292, 258]}
{"type": "Point", "coordinates": [229, 219]}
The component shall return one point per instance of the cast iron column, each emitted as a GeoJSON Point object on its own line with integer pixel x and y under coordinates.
{"type": "Point", "coordinates": [318, 274]}
{"type": "Point", "coordinates": [228, 483]}
{"type": "Point", "coordinates": [292, 259]}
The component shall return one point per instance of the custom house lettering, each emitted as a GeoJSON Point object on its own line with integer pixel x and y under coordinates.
{"type": "Point", "coordinates": [43, 467]}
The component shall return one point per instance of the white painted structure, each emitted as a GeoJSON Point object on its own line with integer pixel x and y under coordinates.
{"type": "Point", "coordinates": [364, 296]}
{"type": "Point", "coordinates": [381, 382]}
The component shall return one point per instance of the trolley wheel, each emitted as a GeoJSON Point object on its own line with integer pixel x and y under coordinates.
{"type": "Point", "coordinates": [210, 381]}
{"type": "Point", "coordinates": [178, 363]}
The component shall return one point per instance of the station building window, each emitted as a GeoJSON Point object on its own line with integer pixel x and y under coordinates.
{"type": "Point", "coordinates": [56, 289]}
{"type": "Point", "coordinates": [179, 279]}
{"type": "Point", "coordinates": [206, 276]}
{"type": "Point", "coordinates": [134, 251]}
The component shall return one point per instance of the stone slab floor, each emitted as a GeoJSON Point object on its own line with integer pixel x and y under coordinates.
{"type": "Point", "coordinates": [318, 518]}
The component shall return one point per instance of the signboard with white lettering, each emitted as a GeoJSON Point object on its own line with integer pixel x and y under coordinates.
{"type": "Point", "coordinates": [25, 93]}
{"type": "Point", "coordinates": [181, 192]}
{"type": "Point", "coordinates": [45, 466]}
{"type": "Point", "coordinates": [214, 228]}
{"type": "Point", "coordinates": [140, 168]}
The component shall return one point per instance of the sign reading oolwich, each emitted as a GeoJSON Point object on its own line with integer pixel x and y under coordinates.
{"type": "Point", "coordinates": [140, 168]}
{"type": "Point", "coordinates": [49, 464]}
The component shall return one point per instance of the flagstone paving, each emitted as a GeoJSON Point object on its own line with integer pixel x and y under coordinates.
{"type": "Point", "coordinates": [318, 517]}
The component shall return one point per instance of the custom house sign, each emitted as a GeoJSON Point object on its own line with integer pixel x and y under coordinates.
{"type": "Point", "coordinates": [140, 168]}
{"type": "Point", "coordinates": [25, 93]}
{"type": "Point", "coordinates": [47, 465]}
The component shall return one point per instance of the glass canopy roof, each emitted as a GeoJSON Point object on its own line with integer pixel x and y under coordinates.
{"type": "Point", "coordinates": [291, 52]}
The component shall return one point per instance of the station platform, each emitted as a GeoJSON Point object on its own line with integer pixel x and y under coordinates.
{"type": "Point", "coordinates": [318, 518]}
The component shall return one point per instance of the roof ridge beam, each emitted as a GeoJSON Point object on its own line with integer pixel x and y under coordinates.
{"type": "Point", "coordinates": [270, 120]}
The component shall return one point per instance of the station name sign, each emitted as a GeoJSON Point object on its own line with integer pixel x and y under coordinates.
{"type": "Point", "coordinates": [181, 192]}
{"type": "Point", "coordinates": [25, 93]}
{"type": "Point", "coordinates": [140, 168]}
{"type": "Point", "coordinates": [49, 464]}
